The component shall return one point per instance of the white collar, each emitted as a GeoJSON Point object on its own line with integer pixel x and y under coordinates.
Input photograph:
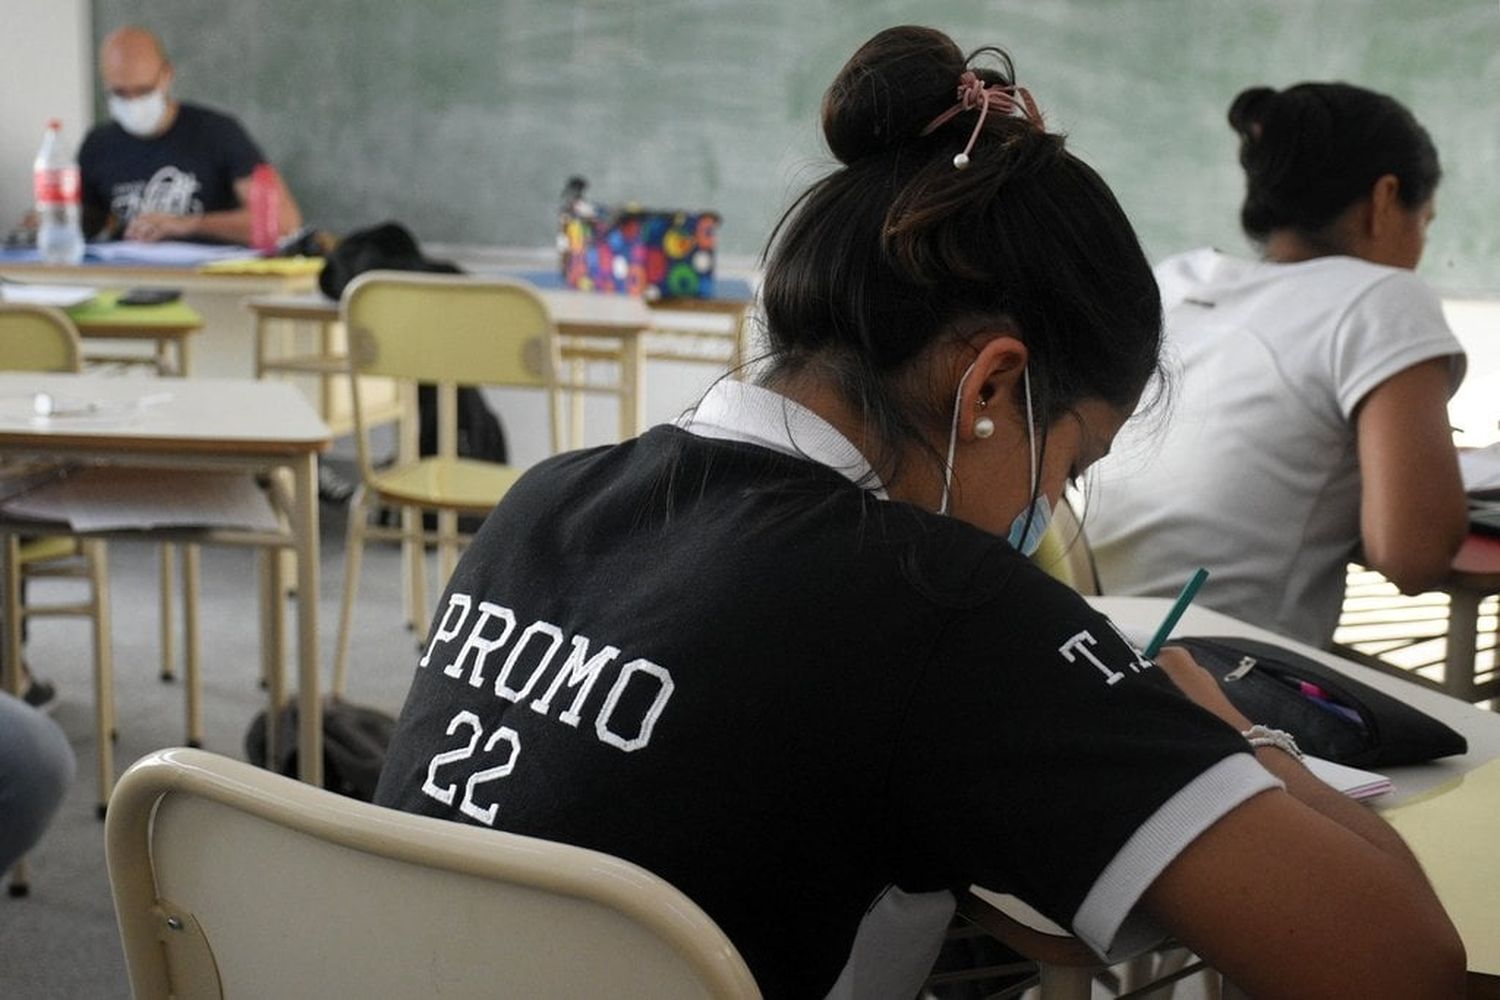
{"type": "Point", "coordinates": [752, 414]}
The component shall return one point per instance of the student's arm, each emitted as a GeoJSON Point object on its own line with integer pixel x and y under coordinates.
{"type": "Point", "coordinates": [1304, 893]}
{"type": "Point", "coordinates": [1412, 513]}
{"type": "Point", "coordinates": [230, 226]}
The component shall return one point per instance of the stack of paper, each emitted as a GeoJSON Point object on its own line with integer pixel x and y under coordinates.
{"type": "Point", "coordinates": [1351, 781]}
{"type": "Point", "coordinates": [167, 253]}
{"type": "Point", "coordinates": [58, 296]}
{"type": "Point", "coordinates": [101, 498]}
{"type": "Point", "coordinates": [1481, 469]}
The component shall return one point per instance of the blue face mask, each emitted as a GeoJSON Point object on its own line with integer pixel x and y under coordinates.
{"type": "Point", "coordinates": [1030, 525]}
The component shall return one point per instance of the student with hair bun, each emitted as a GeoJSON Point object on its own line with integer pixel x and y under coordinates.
{"type": "Point", "coordinates": [1310, 423]}
{"type": "Point", "coordinates": [789, 654]}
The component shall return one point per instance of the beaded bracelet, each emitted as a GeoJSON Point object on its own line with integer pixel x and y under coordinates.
{"type": "Point", "coordinates": [1265, 736]}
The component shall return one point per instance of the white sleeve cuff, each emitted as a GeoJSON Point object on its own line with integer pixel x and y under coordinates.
{"type": "Point", "coordinates": [1105, 922]}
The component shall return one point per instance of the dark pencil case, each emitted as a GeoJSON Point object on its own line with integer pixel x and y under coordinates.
{"type": "Point", "coordinates": [1331, 715]}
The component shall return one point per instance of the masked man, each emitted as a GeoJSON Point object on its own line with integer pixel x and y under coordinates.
{"type": "Point", "coordinates": [164, 169]}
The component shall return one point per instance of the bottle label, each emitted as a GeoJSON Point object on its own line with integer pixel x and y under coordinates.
{"type": "Point", "coordinates": [56, 185]}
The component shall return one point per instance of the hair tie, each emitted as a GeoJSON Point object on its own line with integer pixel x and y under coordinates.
{"type": "Point", "coordinates": [975, 93]}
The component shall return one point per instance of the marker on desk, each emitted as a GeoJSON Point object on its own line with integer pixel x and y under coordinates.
{"type": "Point", "coordinates": [1178, 607]}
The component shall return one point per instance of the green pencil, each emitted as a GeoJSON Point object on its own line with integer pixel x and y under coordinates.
{"type": "Point", "coordinates": [1178, 607]}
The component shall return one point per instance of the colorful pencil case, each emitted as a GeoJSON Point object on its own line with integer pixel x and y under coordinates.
{"type": "Point", "coordinates": [653, 254]}
{"type": "Point", "coordinates": [1331, 715]}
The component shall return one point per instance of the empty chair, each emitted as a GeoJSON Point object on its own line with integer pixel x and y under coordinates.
{"type": "Point", "coordinates": [450, 331]}
{"type": "Point", "coordinates": [231, 881]}
{"type": "Point", "coordinates": [1064, 552]}
{"type": "Point", "coordinates": [42, 339]}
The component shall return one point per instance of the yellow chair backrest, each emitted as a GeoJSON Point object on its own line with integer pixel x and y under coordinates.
{"type": "Point", "coordinates": [1064, 552]}
{"type": "Point", "coordinates": [37, 339]}
{"type": "Point", "coordinates": [449, 328]}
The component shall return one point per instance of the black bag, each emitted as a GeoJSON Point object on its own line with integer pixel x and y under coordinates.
{"type": "Point", "coordinates": [390, 246]}
{"type": "Point", "coordinates": [1331, 715]}
{"type": "Point", "coordinates": [355, 739]}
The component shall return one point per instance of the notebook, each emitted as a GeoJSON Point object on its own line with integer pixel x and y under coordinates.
{"type": "Point", "coordinates": [1484, 516]}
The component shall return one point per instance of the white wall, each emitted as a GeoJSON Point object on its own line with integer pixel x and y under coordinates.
{"type": "Point", "coordinates": [46, 71]}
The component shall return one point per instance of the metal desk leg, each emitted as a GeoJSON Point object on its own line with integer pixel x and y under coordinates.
{"type": "Point", "coordinates": [1463, 634]}
{"type": "Point", "coordinates": [632, 384]}
{"type": "Point", "coordinates": [168, 638]}
{"type": "Point", "coordinates": [104, 673]}
{"type": "Point", "coordinates": [273, 646]}
{"type": "Point", "coordinates": [305, 531]}
{"type": "Point", "coordinates": [191, 647]}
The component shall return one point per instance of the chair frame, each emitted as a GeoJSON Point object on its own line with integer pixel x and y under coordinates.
{"type": "Point", "coordinates": [369, 495]}
{"type": "Point", "coordinates": [168, 952]}
{"type": "Point", "coordinates": [44, 559]}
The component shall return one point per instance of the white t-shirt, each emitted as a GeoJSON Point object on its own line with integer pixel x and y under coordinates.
{"type": "Point", "coordinates": [1250, 467]}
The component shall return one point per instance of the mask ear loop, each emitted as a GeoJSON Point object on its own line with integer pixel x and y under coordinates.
{"type": "Point", "coordinates": [953, 436]}
{"type": "Point", "coordinates": [1031, 430]}
{"type": "Point", "coordinates": [1031, 440]}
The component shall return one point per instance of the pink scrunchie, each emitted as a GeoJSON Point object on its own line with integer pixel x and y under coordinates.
{"type": "Point", "coordinates": [975, 93]}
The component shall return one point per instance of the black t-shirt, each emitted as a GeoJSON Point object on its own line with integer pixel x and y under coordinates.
{"type": "Point", "coordinates": [744, 673]}
{"type": "Point", "coordinates": [188, 170]}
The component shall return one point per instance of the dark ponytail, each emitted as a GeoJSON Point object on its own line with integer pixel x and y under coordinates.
{"type": "Point", "coordinates": [1312, 150]}
{"type": "Point", "coordinates": [897, 249]}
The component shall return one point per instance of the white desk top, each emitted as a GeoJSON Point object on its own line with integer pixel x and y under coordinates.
{"type": "Point", "coordinates": [1138, 615]}
{"type": "Point", "coordinates": [229, 416]}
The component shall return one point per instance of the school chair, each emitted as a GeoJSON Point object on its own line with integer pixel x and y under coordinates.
{"type": "Point", "coordinates": [233, 881]}
{"type": "Point", "coordinates": [1064, 552]}
{"type": "Point", "coordinates": [1068, 970]}
{"type": "Point", "coordinates": [43, 339]}
{"type": "Point", "coordinates": [449, 331]}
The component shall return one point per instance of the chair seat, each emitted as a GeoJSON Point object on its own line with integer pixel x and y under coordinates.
{"type": "Point", "coordinates": [461, 484]}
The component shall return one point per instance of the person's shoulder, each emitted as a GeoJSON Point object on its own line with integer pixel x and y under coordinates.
{"type": "Point", "coordinates": [202, 112]}
{"type": "Point", "coordinates": [1337, 277]}
{"type": "Point", "coordinates": [201, 118]}
{"type": "Point", "coordinates": [1183, 275]}
{"type": "Point", "coordinates": [100, 135]}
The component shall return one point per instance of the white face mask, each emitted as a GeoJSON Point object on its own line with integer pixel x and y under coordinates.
{"type": "Point", "coordinates": [1030, 525]}
{"type": "Point", "coordinates": [140, 116]}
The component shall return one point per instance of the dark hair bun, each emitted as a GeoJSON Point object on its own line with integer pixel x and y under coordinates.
{"type": "Point", "coordinates": [889, 90]}
{"type": "Point", "coordinates": [1248, 112]}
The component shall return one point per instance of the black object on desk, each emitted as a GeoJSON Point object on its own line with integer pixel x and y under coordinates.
{"type": "Point", "coordinates": [149, 296]}
{"type": "Point", "coordinates": [1484, 516]}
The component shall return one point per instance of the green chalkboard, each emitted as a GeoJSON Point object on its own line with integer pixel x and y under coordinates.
{"type": "Point", "coordinates": [464, 117]}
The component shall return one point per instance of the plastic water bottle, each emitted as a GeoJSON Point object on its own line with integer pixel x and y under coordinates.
{"type": "Point", "coordinates": [265, 209]}
{"type": "Point", "coordinates": [59, 235]}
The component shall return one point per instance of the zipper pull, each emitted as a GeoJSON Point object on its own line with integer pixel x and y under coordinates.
{"type": "Point", "coordinates": [1247, 664]}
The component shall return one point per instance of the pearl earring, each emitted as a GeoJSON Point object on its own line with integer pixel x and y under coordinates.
{"type": "Point", "coordinates": [984, 427]}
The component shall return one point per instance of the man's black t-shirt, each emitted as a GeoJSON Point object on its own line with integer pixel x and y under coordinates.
{"type": "Point", "coordinates": [188, 170]}
{"type": "Point", "coordinates": [741, 671]}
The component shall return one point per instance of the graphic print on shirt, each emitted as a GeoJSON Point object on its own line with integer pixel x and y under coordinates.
{"type": "Point", "coordinates": [624, 716]}
{"type": "Point", "coordinates": [169, 191]}
{"type": "Point", "coordinates": [1082, 647]}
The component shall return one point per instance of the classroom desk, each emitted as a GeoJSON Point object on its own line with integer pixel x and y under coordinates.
{"type": "Point", "coordinates": [1139, 616]}
{"type": "Point", "coordinates": [237, 425]}
{"type": "Point", "coordinates": [222, 347]}
{"type": "Point", "coordinates": [168, 327]}
{"type": "Point", "coordinates": [620, 319]}
{"type": "Point", "coordinates": [189, 279]}
{"type": "Point", "coordinates": [1475, 576]}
